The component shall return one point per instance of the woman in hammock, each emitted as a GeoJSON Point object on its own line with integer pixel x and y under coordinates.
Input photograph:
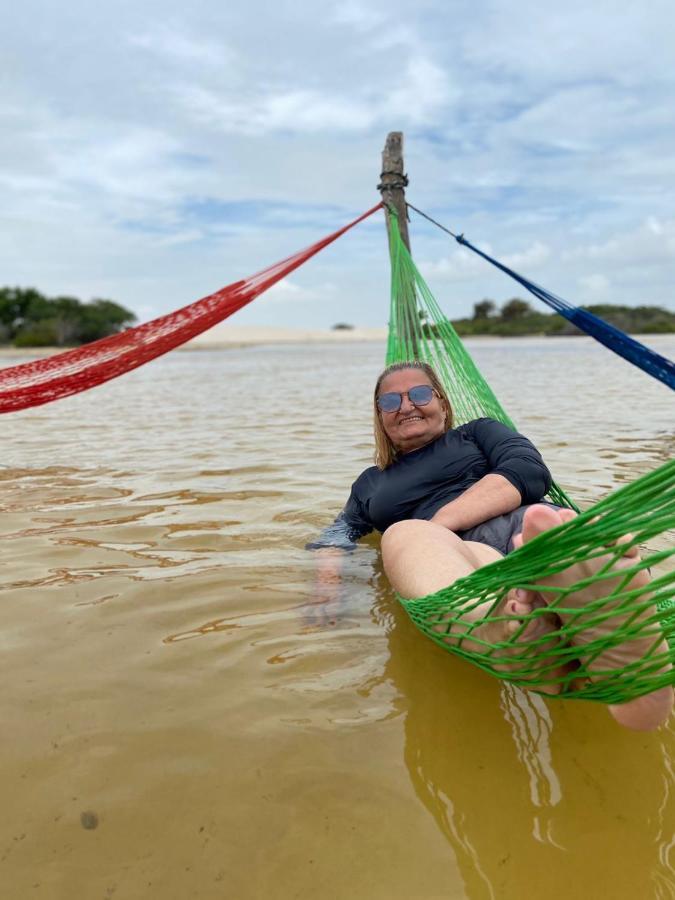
{"type": "Point", "coordinates": [451, 500]}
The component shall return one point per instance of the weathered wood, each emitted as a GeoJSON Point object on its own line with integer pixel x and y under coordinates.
{"type": "Point", "coordinates": [393, 182]}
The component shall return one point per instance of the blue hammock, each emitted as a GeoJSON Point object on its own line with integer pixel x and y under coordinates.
{"type": "Point", "coordinates": [636, 353]}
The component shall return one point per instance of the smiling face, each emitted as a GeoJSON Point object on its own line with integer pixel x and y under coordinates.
{"type": "Point", "coordinates": [411, 427]}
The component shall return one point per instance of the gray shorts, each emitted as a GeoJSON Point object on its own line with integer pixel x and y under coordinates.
{"type": "Point", "coordinates": [500, 531]}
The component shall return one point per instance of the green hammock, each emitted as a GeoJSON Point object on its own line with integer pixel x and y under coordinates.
{"type": "Point", "coordinates": [628, 611]}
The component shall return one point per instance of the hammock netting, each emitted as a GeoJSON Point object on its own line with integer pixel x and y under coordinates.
{"type": "Point", "coordinates": [34, 383]}
{"type": "Point", "coordinates": [614, 638]}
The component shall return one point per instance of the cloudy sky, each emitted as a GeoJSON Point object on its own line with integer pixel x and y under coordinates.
{"type": "Point", "coordinates": [153, 152]}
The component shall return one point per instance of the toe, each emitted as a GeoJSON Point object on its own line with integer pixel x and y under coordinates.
{"type": "Point", "coordinates": [518, 606]}
{"type": "Point", "coordinates": [631, 550]}
{"type": "Point", "coordinates": [538, 519]}
{"type": "Point", "coordinates": [520, 603]}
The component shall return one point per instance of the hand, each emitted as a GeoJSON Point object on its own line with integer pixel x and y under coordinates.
{"type": "Point", "coordinates": [325, 608]}
{"type": "Point", "coordinates": [492, 496]}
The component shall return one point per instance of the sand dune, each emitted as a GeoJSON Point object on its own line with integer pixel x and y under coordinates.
{"type": "Point", "coordinates": [224, 336]}
{"type": "Point", "coordinates": [243, 335]}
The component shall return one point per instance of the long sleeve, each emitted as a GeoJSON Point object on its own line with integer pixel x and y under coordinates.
{"type": "Point", "coordinates": [350, 525]}
{"type": "Point", "coordinates": [512, 456]}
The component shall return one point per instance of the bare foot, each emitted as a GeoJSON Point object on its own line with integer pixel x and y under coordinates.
{"type": "Point", "coordinates": [644, 713]}
{"type": "Point", "coordinates": [523, 644]}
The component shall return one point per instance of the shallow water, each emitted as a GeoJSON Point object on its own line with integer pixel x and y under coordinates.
{"type": "Point", "coordinates": [182, 721]}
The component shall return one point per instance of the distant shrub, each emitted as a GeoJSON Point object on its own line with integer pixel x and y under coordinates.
{"type": "Point", "coordinates": [38, 334]}
{"type": "Point", "coordinates": [517, 319]}
{"type": "Point", "coordinates": [28, 319]}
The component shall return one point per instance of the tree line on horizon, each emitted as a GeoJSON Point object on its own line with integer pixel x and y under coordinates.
{"type": "Point", "coordinates": [29, 319]}
{"type": "Point", "coordinates": [517, 318]}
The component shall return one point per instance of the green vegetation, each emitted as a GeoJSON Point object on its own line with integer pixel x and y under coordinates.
{"type": "Point", "coordinates": [28, 319]}
{"type": "Point", "coordinates": [516, 318]}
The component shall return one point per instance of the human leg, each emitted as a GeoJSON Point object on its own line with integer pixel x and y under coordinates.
{"type": "Point", "coordinates": [421, 558]}
{"type": "Point", "coordinates": [643, 713]}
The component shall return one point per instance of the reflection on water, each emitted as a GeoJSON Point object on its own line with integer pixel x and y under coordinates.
{"type": "Point", "coordinates": [172, 676]}
{"type": "Point", "coordinates": [536, 796]}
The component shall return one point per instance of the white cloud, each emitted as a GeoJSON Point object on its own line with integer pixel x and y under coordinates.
{"type": "Point", "coordinates": [377, 29]}
{"type": "Point", "coordinates": [189, 236]}
{"type": "Point", "coordinates": [425, 89]}
{"type": "Point", "coordinates": [154, 157]}
{"type": "Point", "coordinates": [465, 264]}
{"type": "Point", "coordinates": [571, 43]}
{"type": "Point", "coordinates": [358, 15]}
{"type": "Point", "coordinates": [530, 258]}
{"type": "Point", "coordinates": [289, 292]}
{"type": "Point", "coordinates": [461, 265]}
{"type": "Point", "coordinates": [652, 242]}
{"type": "Point", "coordinates": [594, 287]}
{"type": "Point", "coordinates": [586, 118]}
{"type": "Point", "coordinates": [295, 110]}
{"type": "Point", "coordinates": [170, 42]}
{"type": "Point", "coordinates": [422, 91]}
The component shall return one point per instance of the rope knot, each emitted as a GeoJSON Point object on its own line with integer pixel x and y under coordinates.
{"type": "Point", "coordinates": [399, 183]}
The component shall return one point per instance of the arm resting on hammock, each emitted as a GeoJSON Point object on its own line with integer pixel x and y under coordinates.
{"type": "Point", "coordinates": [518, 476]}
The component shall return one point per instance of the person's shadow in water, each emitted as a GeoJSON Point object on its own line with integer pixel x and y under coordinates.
{"type": "Point", "coordinates": [536, 797]}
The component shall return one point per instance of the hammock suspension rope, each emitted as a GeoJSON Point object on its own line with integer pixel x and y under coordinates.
{"type": "Point", "coordinates": [611, 337]}
{"type": "Point", "coordinates": [31, 384]}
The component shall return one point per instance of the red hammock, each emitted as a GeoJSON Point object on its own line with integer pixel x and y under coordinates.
{"type": "Point", "coordinates": [34, 383]}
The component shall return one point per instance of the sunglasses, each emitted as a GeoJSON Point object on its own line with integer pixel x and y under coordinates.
{"type": "Point", "coordinates": [421, 395]}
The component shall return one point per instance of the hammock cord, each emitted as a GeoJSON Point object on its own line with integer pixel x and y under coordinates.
{"type": "Point", "coordinates": [613, 338]}
{"type": "Point", "coordinates": [584, 658]}
{"type": "Point", "coordinates": [43, 380]}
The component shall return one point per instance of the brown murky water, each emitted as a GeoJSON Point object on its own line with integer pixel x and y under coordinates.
{"type": "Point", "coordinates": [179, 721]}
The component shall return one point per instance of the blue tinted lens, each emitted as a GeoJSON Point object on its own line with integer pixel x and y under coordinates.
{"type": "Point", "coordinates": [389, 402]}
{"type": "Point", "coordinates": [421, 395]}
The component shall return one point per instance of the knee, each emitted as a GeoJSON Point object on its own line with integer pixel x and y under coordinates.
{"type": "Point", "coordinates": [401, 534]}
{"type": "Point", "coordinates": [400, 530]}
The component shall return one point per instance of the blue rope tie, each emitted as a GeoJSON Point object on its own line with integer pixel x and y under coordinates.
{"type": "Point", "coordinates": [613, 338]}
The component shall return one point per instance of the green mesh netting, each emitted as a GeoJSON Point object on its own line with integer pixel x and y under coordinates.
{"type": "Point", "coordinates": [614, 635]}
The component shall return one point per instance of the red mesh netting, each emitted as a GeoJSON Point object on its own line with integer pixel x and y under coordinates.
{"type": "Point", "coordinates": [34, 383]}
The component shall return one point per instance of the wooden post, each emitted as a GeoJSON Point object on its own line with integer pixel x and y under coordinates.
{"type": "Point", "coordinates": [393, 182]}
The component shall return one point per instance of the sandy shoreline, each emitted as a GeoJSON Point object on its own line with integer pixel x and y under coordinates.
{"type": "Point", "coordinates": [248, 336]}
{"type": "Point", "coordinates": [231, 336]}
{"type": "Point", "coordinates": [224, 337]}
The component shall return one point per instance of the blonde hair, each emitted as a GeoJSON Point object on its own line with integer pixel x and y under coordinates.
{"type": "Point", "coordinates": [385, 452]}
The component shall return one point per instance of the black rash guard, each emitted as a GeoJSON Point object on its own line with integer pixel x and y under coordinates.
{"type": "Point", "coordinates": [419, 483]}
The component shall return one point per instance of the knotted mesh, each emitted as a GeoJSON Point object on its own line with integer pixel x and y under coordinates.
{"type": "Point", "coordinates": [51, 378]}
{"type": "Point", "coordinates": [610, 630]}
